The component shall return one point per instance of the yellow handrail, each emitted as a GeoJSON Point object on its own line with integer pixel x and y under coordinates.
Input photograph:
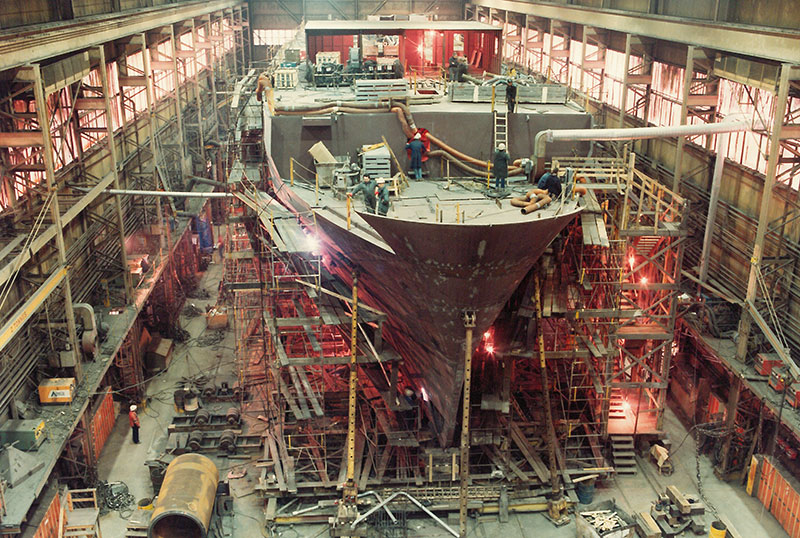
{"type": "Point", "coordinates": [349, 202]}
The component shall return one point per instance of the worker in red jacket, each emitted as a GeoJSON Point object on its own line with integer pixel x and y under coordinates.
{"type": "Point", "coordinates": [133, 418]}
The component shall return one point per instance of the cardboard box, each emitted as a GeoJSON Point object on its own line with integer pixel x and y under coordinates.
{"type": "Point", "coordinates": [217, 318]}
{"type": "Point", "coordinates": [57, 390]}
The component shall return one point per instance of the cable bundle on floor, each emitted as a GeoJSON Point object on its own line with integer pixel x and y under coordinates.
{"type": "Point", "coordinates": [115, 496]}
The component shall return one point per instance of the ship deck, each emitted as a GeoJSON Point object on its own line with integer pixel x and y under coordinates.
{"type": "Point", "coordinates": [447, 201]}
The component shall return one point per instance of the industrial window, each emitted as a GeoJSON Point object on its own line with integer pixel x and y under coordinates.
{"type": "Point", "coordinates": [746, 148]}
{"type": "Point", "coordinates": [273, 37]}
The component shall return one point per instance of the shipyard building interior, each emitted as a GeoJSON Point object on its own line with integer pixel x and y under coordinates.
{"type": "Point", "coordinates": [309, 268]}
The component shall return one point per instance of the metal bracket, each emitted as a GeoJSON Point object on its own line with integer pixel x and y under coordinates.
{"type": "Point", "coordinates": [469, 318]}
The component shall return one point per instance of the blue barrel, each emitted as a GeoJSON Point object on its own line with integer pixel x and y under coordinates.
{"type": "Point", "coordinates": [585, 491]}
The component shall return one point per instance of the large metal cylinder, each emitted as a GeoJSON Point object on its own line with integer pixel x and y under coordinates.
{"type": "Point", "coordinates": [186, 499]}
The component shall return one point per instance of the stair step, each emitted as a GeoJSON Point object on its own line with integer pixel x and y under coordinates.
{"type": "Point", "coordinates": [625, 471]}
{"type": "Point", "coordinates": [624, 453]}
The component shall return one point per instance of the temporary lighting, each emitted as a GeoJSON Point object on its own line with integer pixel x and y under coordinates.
{"type": "Point", "coordinates": [632, 261]}
{"type": "Point", "coordinates": [424, 394]}
{"type": "Point", "coordinates": [487, 334]}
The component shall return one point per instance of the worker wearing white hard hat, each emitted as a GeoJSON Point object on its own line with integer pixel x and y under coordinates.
{"type": "Point", "coordinates": [415, 149]}
{"type": "Point", "coordinates": [500, 160]}
{"type": "Point", "coordinates": [133, 419]}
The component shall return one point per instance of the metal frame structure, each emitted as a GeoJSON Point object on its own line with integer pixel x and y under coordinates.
{"type": "Point", "coordinates": [76, 119]}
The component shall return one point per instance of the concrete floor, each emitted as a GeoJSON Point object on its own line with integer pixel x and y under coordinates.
{"type": "Point", "coordinates": [123, 461]}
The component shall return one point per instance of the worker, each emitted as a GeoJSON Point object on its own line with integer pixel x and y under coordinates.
{"type": "Point", "coordinates": [145, 263]}
{"type": "Point", "coordinates": [453, 68]}
{"type": "Point", "coordinates": [133, 418]}
{"type": "Point", "coordinates": [500, 166]}
{"type": "Point", "coordinates": [221, 250]}
{"type": "Point", "coordinates": [417, 148]}
{"type": "Point", "coordinates": [383, 197]}
{"type": "Point", "coordinates": [368, 187]}
{"type": "Point", "coordinates": [511, 96]}
{"type": "Point", "coordinates": [550, 184]}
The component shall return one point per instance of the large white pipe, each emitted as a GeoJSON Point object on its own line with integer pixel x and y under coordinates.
{"type": "Point", "coordinates": [635, 133]}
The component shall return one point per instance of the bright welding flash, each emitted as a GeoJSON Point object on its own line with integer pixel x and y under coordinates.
{"type": "Point", "coordinates": [489, 349]}
{"type": "Point", "coordinates": [643, 281]}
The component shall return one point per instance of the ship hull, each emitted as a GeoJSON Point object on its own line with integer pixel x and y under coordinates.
{"type": "Point", "coordinates": [427, 278]}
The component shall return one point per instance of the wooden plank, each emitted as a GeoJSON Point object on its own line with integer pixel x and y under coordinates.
{"type": "Point", "coordinates": [529, 453]}
{"type": "Point", "coordinates": [276, 458]}
{"type": "Point", "coordinates": [602, 233]}
{"type": "Point", "coordinates": [677, 497]}
{"type": "Point", "coordinates": [311, 395]}
{"type": "Point", "coordinates": [288, 462]}
{"type": "Point", "coordinates": [290, 399]}
{"type": "Point", "coordinates": [301, 397]}
{"type": "Point", "coordinates": [291, 484]}
{"type": "Point", "coordinates": [272, 506]}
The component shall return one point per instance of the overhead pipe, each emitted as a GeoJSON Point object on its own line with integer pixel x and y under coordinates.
{"type": "Point", "coordinates": [635, 133]}
{"type": "Point", "coordinates": [178, 194]}
{"type": "Point", "coordinates": [186, 499]}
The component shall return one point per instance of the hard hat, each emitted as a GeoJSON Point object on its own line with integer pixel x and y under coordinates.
{"type": "Point", "coordinates": [501, 146]}
{"type": "Point", "coordinates": [417, 136]}
{"type": "Point", "coordinates": [409, 392]}
{"type": "Point", "coordinates": [381, 181]}
{"type": "Point", "coordinates": [133, 408]}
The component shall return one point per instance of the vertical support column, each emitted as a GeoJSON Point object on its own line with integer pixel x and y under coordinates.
{"type": "Point", "coordinates": [524, 43]}
{"type": "Point", "coordinates": [624, 104]}
{"type": "Point", "coordinates": [239, 32]}
{"type": "Point", "coordinates": [112, 148]}
{"type": "Point", "coordinates": [687, 83]}
{"type": "Point", "coordinates": [351, 488]}
{"type": "Point", "coordinates": [713, 203]}
{"type": "Point", "coordinates": [730, 423]}
{"type": "Point", "coordinates": [211, 58]}
{"type": "Point", "coordinates": [584, 32]}
{"type": "Point", "coordinates": [42, 116]}
{"type": "Point", "coordinates": [551, 34]}
{"type": "Point", "coordinates": [463, 467]}
{"type": "Point", "coordinates": [746, 322]}
{"type": "Point", "coordinates": [178, 106]}
{"type": "Point", "coordinates": [666, 355]}
{"type": "Point", "coordinates": [151, 117]}
{"type": "Point", "coordinates": [197, 94]}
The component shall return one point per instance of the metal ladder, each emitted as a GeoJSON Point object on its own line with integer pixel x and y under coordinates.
{"type": "Point", "coordinates": [500, 128]}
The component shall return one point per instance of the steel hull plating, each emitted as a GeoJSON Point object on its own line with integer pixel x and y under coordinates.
{"type": "Point", "coordinates": [428, 277]}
